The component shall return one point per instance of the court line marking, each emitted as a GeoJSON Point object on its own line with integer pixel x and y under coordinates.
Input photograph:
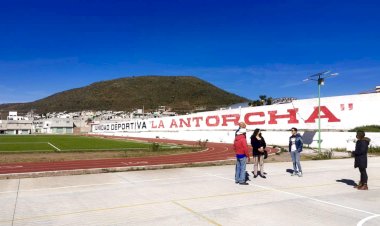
{"type": "Point", "coordinates": [101, 184]}
{"type": "Point", "coordinates": [81, 212]}
{"type": "Point", "coordinates": [54, 146]}
{"type": "Point", "coordinates": [197, 214]}
{"type": "Point", "coordinates": [302, 196]}
{"type": "Point", "coordinates": [15, 206]}
{"type": "Point", "coordinates": [367, 219]}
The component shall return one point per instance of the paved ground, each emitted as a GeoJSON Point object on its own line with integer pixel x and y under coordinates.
{"type": "Point", "coordinates": [197, 196]}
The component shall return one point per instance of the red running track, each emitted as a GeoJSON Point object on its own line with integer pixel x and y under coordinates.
{"type": "Point", "coordinates": [214, 152]}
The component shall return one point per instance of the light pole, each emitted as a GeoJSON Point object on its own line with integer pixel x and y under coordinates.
{"type": "Point", "coordinates": [320, 78]}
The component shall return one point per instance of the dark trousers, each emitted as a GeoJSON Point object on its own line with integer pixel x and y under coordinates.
{"type": "Point", "coordinates": [363, 175]}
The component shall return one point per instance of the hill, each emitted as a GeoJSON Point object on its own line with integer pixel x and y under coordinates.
{"type": "Point", "coordinates": [181, 93]}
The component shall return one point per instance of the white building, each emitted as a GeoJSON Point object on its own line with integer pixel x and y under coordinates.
{"type": "Point", "coordinates": [13, 116]}
{"type": "Point", "coordinates": [54, 126]}
{"type": "Point", "coordinates": [16, 124]}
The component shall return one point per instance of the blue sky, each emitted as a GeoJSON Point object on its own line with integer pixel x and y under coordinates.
{"type": "Point", "coordinates": [245, 47]}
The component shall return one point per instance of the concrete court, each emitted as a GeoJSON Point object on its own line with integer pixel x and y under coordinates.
{"type": "Point", "coordinates": [197, 196]}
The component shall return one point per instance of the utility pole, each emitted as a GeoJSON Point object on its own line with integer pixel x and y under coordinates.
{"type": "Point", "coordinates": [320, 78]}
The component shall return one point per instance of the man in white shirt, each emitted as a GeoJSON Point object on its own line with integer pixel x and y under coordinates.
{"type": "Point", "coordinates": [295, 149]}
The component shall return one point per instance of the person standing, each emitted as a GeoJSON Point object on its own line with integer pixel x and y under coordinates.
{"type": "Point", "coordinates": [295, 149]}
{"type": "Point", "coordinates": [242, 156]}
{"type": "Point", "coordinates": [360, 153]}
{"type": "Point", "coordinates": [258, 148]}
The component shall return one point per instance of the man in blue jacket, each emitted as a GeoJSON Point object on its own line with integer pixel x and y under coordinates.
{"type": "Point", "coordinates": [295, 148]}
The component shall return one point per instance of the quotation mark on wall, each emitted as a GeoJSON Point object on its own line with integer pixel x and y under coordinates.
{"type": "Point", "coordinates": [350, 106]}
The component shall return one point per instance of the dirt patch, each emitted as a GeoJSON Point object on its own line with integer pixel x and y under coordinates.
{"type": "Point", "coordinates": [67, 156]}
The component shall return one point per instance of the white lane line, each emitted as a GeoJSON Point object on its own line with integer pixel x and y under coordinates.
{"type": "Point", "coordinates": [302, 196]}
{"type": "Point", "coordinates": [11, 167]}
{"type": "Point", "coordinates": [367, 219]}
{"type": "Point", "coordinates": [54, 147]}
{"type": "Point", "coordinates": [104, 184]}
{"type": "Point", "coordinates": [133, 163]}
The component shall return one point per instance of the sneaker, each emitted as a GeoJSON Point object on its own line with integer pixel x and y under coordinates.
{"type": "Point", "coordinates": [358, 185]}
{"type": "Point", "coordinates": [254, 176]}
{"type": "Point", "coordinates": [363, 187]}
{"type": "Point", "coordinates": [244, 183]}
{"type": "Point", "coordinates": [262, 176]}
{"type": "Point", "coordinates": [300, 174]}
{"type": "Point", "coordinates": [293, 174]}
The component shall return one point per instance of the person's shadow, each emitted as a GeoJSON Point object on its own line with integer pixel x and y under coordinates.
{"type": "Point", "coordinates": [290, 171]}
{"type": "Point", "coordinates": [347, 181]}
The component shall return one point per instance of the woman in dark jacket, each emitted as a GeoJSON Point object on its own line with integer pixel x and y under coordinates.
{"type": "Point", "coordinates": [360, 153]}
{"type": "Point", "coordinates": [258, 147]}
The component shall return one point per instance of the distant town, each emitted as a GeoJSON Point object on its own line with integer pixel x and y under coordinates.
{"type": "Point", "coordinates": [80, 122]}
{"type": "Point", "coordinates": [70, 122]}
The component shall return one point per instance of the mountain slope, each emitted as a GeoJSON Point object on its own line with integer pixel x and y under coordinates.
{"type": "Point", "coordinates": [182, 93]}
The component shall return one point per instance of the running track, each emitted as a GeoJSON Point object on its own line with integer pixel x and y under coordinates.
{"type": "Point", "coordinates": [214, 152]}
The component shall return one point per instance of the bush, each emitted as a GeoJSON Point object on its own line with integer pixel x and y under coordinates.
{"type": "Point", "coordinates": [339, 149]}
{"type": "Point", "coordinates": [367, 128]}
{"type": "Point", "coordinates": [155, 146]}
{"type": "Point", "coordinates": [374, 150]}
{"type": "Point", "coordinates": [284, 149]}
{"type": "Point", "coordinates": [328, 154]}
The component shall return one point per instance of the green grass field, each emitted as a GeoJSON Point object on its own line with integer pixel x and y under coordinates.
{"type": "Point", "coordinates": [62, 143]}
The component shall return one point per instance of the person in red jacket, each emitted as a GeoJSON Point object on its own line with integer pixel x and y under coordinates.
{"type": "Point", "coordinates": [242, 156]}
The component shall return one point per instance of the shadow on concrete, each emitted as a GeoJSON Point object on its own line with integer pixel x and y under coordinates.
{"type": "Point", "coordinates": [347, 181]}
{"type": "Point", "coordinates": [289, 171]}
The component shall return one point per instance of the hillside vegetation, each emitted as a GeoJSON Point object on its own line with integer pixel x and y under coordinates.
{"type": "Point", "coordinates": [181, 93]}
{"type": "Point", "coordinates": [368, 128]}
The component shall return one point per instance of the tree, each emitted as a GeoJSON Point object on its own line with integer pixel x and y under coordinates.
{"type": "Point", "coordinates": [263, 97]}
{"type": "Point", "coordinates": [269, 101]}
{"type": "Point", "coordinates": [88, 121]}
{"type": "Point", "coordinates": [263, 100]}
